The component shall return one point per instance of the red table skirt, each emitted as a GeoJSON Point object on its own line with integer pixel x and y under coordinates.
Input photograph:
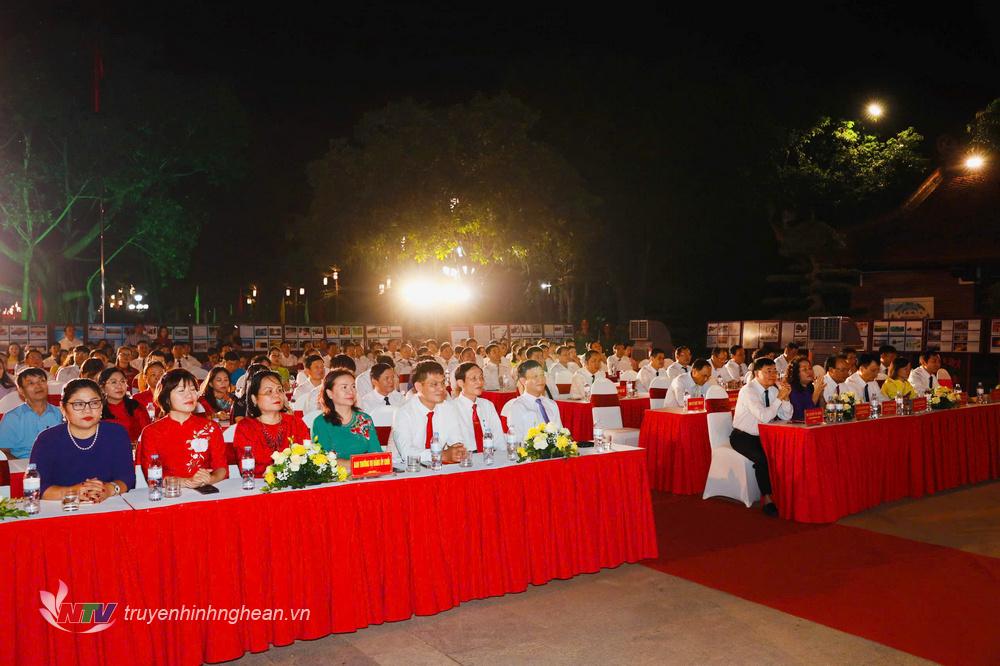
{"type": "Point", "coordinates": [679, 451]}
{"type": "Point", "coordinates": [823, 473]}
{"type": "Point", "coordinates": [579, 417]}
{"type": "Point", "coordinates": [355, 555]}
{"type": "Point", "coordinates": [499, 398]}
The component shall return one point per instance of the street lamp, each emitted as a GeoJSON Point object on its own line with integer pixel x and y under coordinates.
{"type": "Point", "coordinates": [975, 162]}
{"type": "Point", "coordinates": [875, 110]}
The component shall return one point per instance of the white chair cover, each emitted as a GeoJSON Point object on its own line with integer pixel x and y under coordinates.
{"type": "Point", "coordinates": [610, 418]}
{"type": "Point", "coordinates": [730, 474]}
{"type": "Point", "coordinates": [140, 479]}
{"type": "Point", "coordinates": [229, 434]}
{"type": "Point", "coordinates": [662, 382]}
{"type": "Point", "coordinates": [564, 377]}
{"type": "Point", "coordinates": [628, 376]}
{"type": "Point", "coordinates": [309, 417]}
{"type": "Point", "coordinates": [10, 401]}
{"type": "Point", "coordinates": [384, 415]}
{"type": "Point", "coordinates": [55, 388]}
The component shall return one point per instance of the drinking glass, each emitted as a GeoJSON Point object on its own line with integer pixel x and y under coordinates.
{"type": "Point", "coordinates": [412, 463]}
{"type": "Point", "coordinates": [172, 487]}
{"type": "Point", "coordinates": [71, 501]}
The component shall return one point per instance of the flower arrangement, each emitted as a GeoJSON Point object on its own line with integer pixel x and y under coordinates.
{"type": "Point", "coordinates": [848, 400]}
{"type": "Point", "coordinates": [10, 509]}
{"type": "Point", "coordinates": [302, 465]}
{"type": "Point", "coordinates": [546, 441]}
{"type": "Point", "coordinates": [944, 398]}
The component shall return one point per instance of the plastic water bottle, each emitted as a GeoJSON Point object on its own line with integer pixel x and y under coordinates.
{"type": "Point", "coordinates": [899, 404]}
{"type": "Point", "coordinates": [436, 449]}
{"type": "Point", "coordinates": [876, 407]}
{"type": "Point", "coordinates": [928, 394]}
{"type": "Point", "coordinates": [511, 447]}
{"type": "Point", "coordinates": [32, 490]}
{"type": "Point", "coordinates": [247, 464]}
{"type": "Point", "coordinates": [958, 388]}
{"type": "Point", "coordinates": [980, 392]}
{"type": "Point", "coordinates": [151, 410]}
{"type": "Point", "coordinates": [599, 439]}
{"type": "Point", "coordinates": [488, 447]}
{"type": "Point", "coordinates": [687, 397]}
{"type": "Point", "coordinates": [154, 478]}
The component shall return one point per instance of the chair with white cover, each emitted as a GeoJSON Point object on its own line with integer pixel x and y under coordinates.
{"type": "Point", "coordinates": [607, 413]}
{"type": "Point", "coordinates": [658, 391]}
{"type": "Point", "coordinates": [10, 401]}
{"type": "Point", "coordinates": [563, 380]}
{"type": "Point", "coordinates": [229, 434]}
{"type": "Point", "coordinates": [628, 376]}
{"type": "Point", "coordinates": [382, 417]}
{"type": "Point", "coordinates": [309, 417]}
{"type": "Point", "coordinates": [140, 478]}
{"type": "Point", "coordinates": [730, 474]}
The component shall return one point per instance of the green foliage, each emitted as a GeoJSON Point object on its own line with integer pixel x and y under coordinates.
{"type": "Point", "coordinates": [416, 182]}
{"type": "Point", "coordinates": [984, 130]}
{"type": "Point", "coordinates": [152, 156]}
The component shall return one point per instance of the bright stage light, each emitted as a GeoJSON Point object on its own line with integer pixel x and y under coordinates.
{"type": "Point", "coordinates": [430, 295]}
{"type": "Point", "coordinates": [974, 162]}
{"type": "Point", "coordinates": [874, 110]}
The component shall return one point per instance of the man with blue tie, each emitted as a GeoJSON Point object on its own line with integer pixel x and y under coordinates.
{"type": "Point", "coordinates": [762, 400]}
{"type": "Point", "coordinates": [532, 407]}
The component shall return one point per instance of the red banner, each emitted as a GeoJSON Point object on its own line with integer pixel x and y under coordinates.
{"type": "Point", "coordinates": [814, 416]}
{"type": "Point", "coordinates": [371, 464]}
{"type": "Point", "coordinates": [888, 408]}
{"type": "Point", "coordinates": [919, 404]}
{"type": "Point", "coordinates": [695, 404]}
{"type": "Point", "coordinates": [862, 411]}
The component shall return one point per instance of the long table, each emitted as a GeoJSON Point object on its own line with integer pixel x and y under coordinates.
{"type": "Point", "coordinates": [822, 473]}
{"type": "Point", "coordinates": [679, 450]}
{"type": "Point", "coordinates": [578, 415]}
{"type": "Point", "coordinates": [353, 554]}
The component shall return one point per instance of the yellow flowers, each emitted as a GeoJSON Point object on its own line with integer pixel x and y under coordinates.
{"type": "Point", "coordinates": [342, 473]}
{"type": "Point", "coordinates": [521, 451]}
{"type": "Point", "coordinates": [298, 450]}
{"type": "Point", "coordinates": [269, 476]}
{"type": "Point", "coordinates": [319, 459]}
{"type": "Point", "coordinates": [562, 442]}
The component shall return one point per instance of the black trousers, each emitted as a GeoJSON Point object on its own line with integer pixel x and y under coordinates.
{"type": "Point", "coordinates": [748, 446]}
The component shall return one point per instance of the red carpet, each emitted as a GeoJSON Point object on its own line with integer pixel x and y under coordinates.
{"type": "Point", "coordinates": [935, 602]}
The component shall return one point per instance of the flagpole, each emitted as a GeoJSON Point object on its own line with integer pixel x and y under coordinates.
{"type": "Point", "coordinates": [104, 296]}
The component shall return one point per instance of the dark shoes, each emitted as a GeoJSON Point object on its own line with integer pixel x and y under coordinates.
{"type": "Point", "coordinates": [770, 510]}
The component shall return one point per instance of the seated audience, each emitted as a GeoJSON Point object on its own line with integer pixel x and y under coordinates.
{"type": "Point", "coordinates": [897, 382]}
{"type": "Point", "coordinates": [216, 396]}
{"type": "Point", "coordinates": [836, 376]}
{"type": "Point", "coordinates": [148, 379]}
{"type": "Point", "coordinates": [315, 370]}
{"type": "Point", "coordinates": [719, 358]}
{"type": "Point", "coordinates": [682, 359]}
{"type": "Point", "coordinates": [782, 362]}
{"type": "Point", "coordinates": [118, 406]}
{"type": "Point", "coordinates": [426, 413]}
{"type": "Point", "coordinates": [886, 354]}
{"type": "Point", "coordinates": [268, 426]}
{"type": "Point", "coordinates": [383, 393]}
{"type": "Point", "coordinates": [532, 407]}
{"type": "Point", "coordinates": [655, 368]}
{"type": "Point", "coordinates": [190, 447]}
{"type": "Point", "coordinates": [72, 370]}
{"type": "Point", "coordinates": [736, 366]}
{"type": "Point", "coordinates": [694, 383]}
{"type": "Point", "coordinates": [85, 455]}
{"type": "Point", "coordinates": [862, 383]}
{"type": "Point", "coordinates": [585, 376]}
{"type": "Point", "coordinates": [924, 378]}
{"type": "Point", "coordinates": [21, 425]}
{"type": "Point", "coordinates": [7, 383]}
{"type": "Point", "coordinates": [343, 428]}
{"type": "Point", "coordinates": [763, 400]}
{"type": "Point", "coordinates": [807, 393]}
{"type": "Point", "coordinates": [476, 415]}
{"type": "Point", "coordinates": [91, 369]}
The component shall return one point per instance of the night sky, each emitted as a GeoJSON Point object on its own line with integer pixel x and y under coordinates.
{"type": "Point", "coordinates": [306, 72]}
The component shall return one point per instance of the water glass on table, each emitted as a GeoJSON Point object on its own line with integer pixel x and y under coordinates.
{"type": "Point", "coordinates": [71, 501]}
{"type": "Point", "coordinates": [172, 487]}
{"type": "Point", "coordinates": [511, 448]}
{"type": "Point", "coordinates": [412, 463]}
{"type": "Point", "coordinates": [488, 449]}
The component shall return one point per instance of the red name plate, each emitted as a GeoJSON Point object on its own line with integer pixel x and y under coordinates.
{"type": "Point", "coordinates": [371, 464]}
{"type": "Point", "coordinates": [696, 404]}
{"type": "Point", "coordinates": [919, 404]}
{"type": "Point", "coordinates": [995, 396]}
{"type": "Point", "coordinates": [621, 389]}
{"type": "Point", "coordinates": [862, 411]}
{"type": "Point", "coordinates": [814, 416]}
{"type": "Point", "coordinates": [963, 398]}
{"type": "Point", "coordinates": [888, 408]}
{"type": "Point", "coordinates": [732, 402]}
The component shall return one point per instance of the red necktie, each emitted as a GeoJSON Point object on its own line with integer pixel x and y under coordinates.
{"type": "Point", "coordinates": [430, 430]}
{"type": "Point", "coordinates": [477, 428]}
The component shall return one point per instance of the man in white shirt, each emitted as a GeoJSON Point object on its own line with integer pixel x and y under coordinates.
{"type": "Point", "coordinates": [736, 367]}
{"type": "Point", "coordinates": [383, 393]}
{"type": "Point", "coordinates": [682, 359]}
{"type": "Point", "coordinates": [427, 413]}
{"type": "Point", "coordinates": [288, 359]}
{"type": "Point", "coordinates": [564, 362]}
{"type": "Point", "coordinates": [363, 382]}
{"type": "Point", "coordinates": [496, 369]}
{"type": "Point", "coordinates": [761, 401]}
{"type": "Point", "coordinates": [182, 359]}
{"type": "Point", "coordinates": [862, 383]}
{"type": "Point", "coordinates": [532, 407]}
{"type": "Point", "coordinates": [315, 370]}
{"type": "Point", "coordinates": [886, 354]}
{"type": "Point", "coordinates": [585, 376]}
{"type": "Point", "coordinates": [404, 360]}
{"type": "Point", "coordinates": [361, 361]}
{"type": "Point", "coordinates": [719, 358]}
{"type": "Point", "coordinates": [70, 372]}
{"type": "Point", "coordinates": [392, 348]}
{"type": "Point", "coordinates": [924, 378]}
{"type": "Point", "coordinates": [618, 358]}
{"type": "Point", "coordinates": [69, 341]}
{"type": "Point", "coordinates": [446, 357]}
{"type": "Point", "coordinates": [694, 383]}
{"type": "Point", "coordinates": [836, 374]}
{"type": "Point", "coordinates": [477, 416]}
{"type": "Point", "coordinates": [655, 368]}
{"type": "Point", "coordinates": [781, 363]}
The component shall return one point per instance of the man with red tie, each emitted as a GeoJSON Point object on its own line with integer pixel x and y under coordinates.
{"type": "Point", "coordinates": [476, 415]}
{"type": "Point", "coordinates": [426, 413]}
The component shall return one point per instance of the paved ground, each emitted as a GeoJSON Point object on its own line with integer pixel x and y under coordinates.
{"type": "Point", "coordinates": [636, 615]}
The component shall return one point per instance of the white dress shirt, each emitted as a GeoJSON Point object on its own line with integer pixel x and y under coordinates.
{"type": "Point", "coordinates": [523, 414]}
{"type": "Point", "coordinates": [409, 428]}
{"type": "Point", "coordinates": [857, 385]}
{"type": "Point", "coordinates": [362, 363]}
{"type": "Point", "coordinates": [404, 366]}
{"type": "Point", "coordinates": [781, 365]}
{"type": "Point", "coordinates": [494, 374]}
{"type": "Point", "coordinates": [69, 345]}
{"type": "Point", "coordinates": [289, 361]}
{"type": "Point", "coordinates": [647, 374]}
{"type": "Point", "coordinates": [719, 373]}
{"type": "Point", "coordinates": [921, 380]}
{"type": "Point", "coordinates": [68, 373]}
{"type": "Point", "coordinates": [303, 390]}
{"type": "Point", "coordinates": [883, 372]}
{"type": "Point", "coordinates": [733, 371]}
{"type": "Point", "coordinates": [582, 378]}
{"type": "Point", "coordinates": [614, 361]}
{"type": "Point", "coordinates": [676, 370]}
{"type": "Point", "coordinates": [363, 384]}
{"type": "Point", "coordinates": [488, 419]}
{"type": "Point", "coordinates": [373, 400]}
{"type": "Point", "coordinates": [188, 362]}
{"type": "Point", "coordinates": [830, 389]}
{"type": "Point", "coordinates": [675, 396]}
{"type": "Point", "coordinates": [751, 410]}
